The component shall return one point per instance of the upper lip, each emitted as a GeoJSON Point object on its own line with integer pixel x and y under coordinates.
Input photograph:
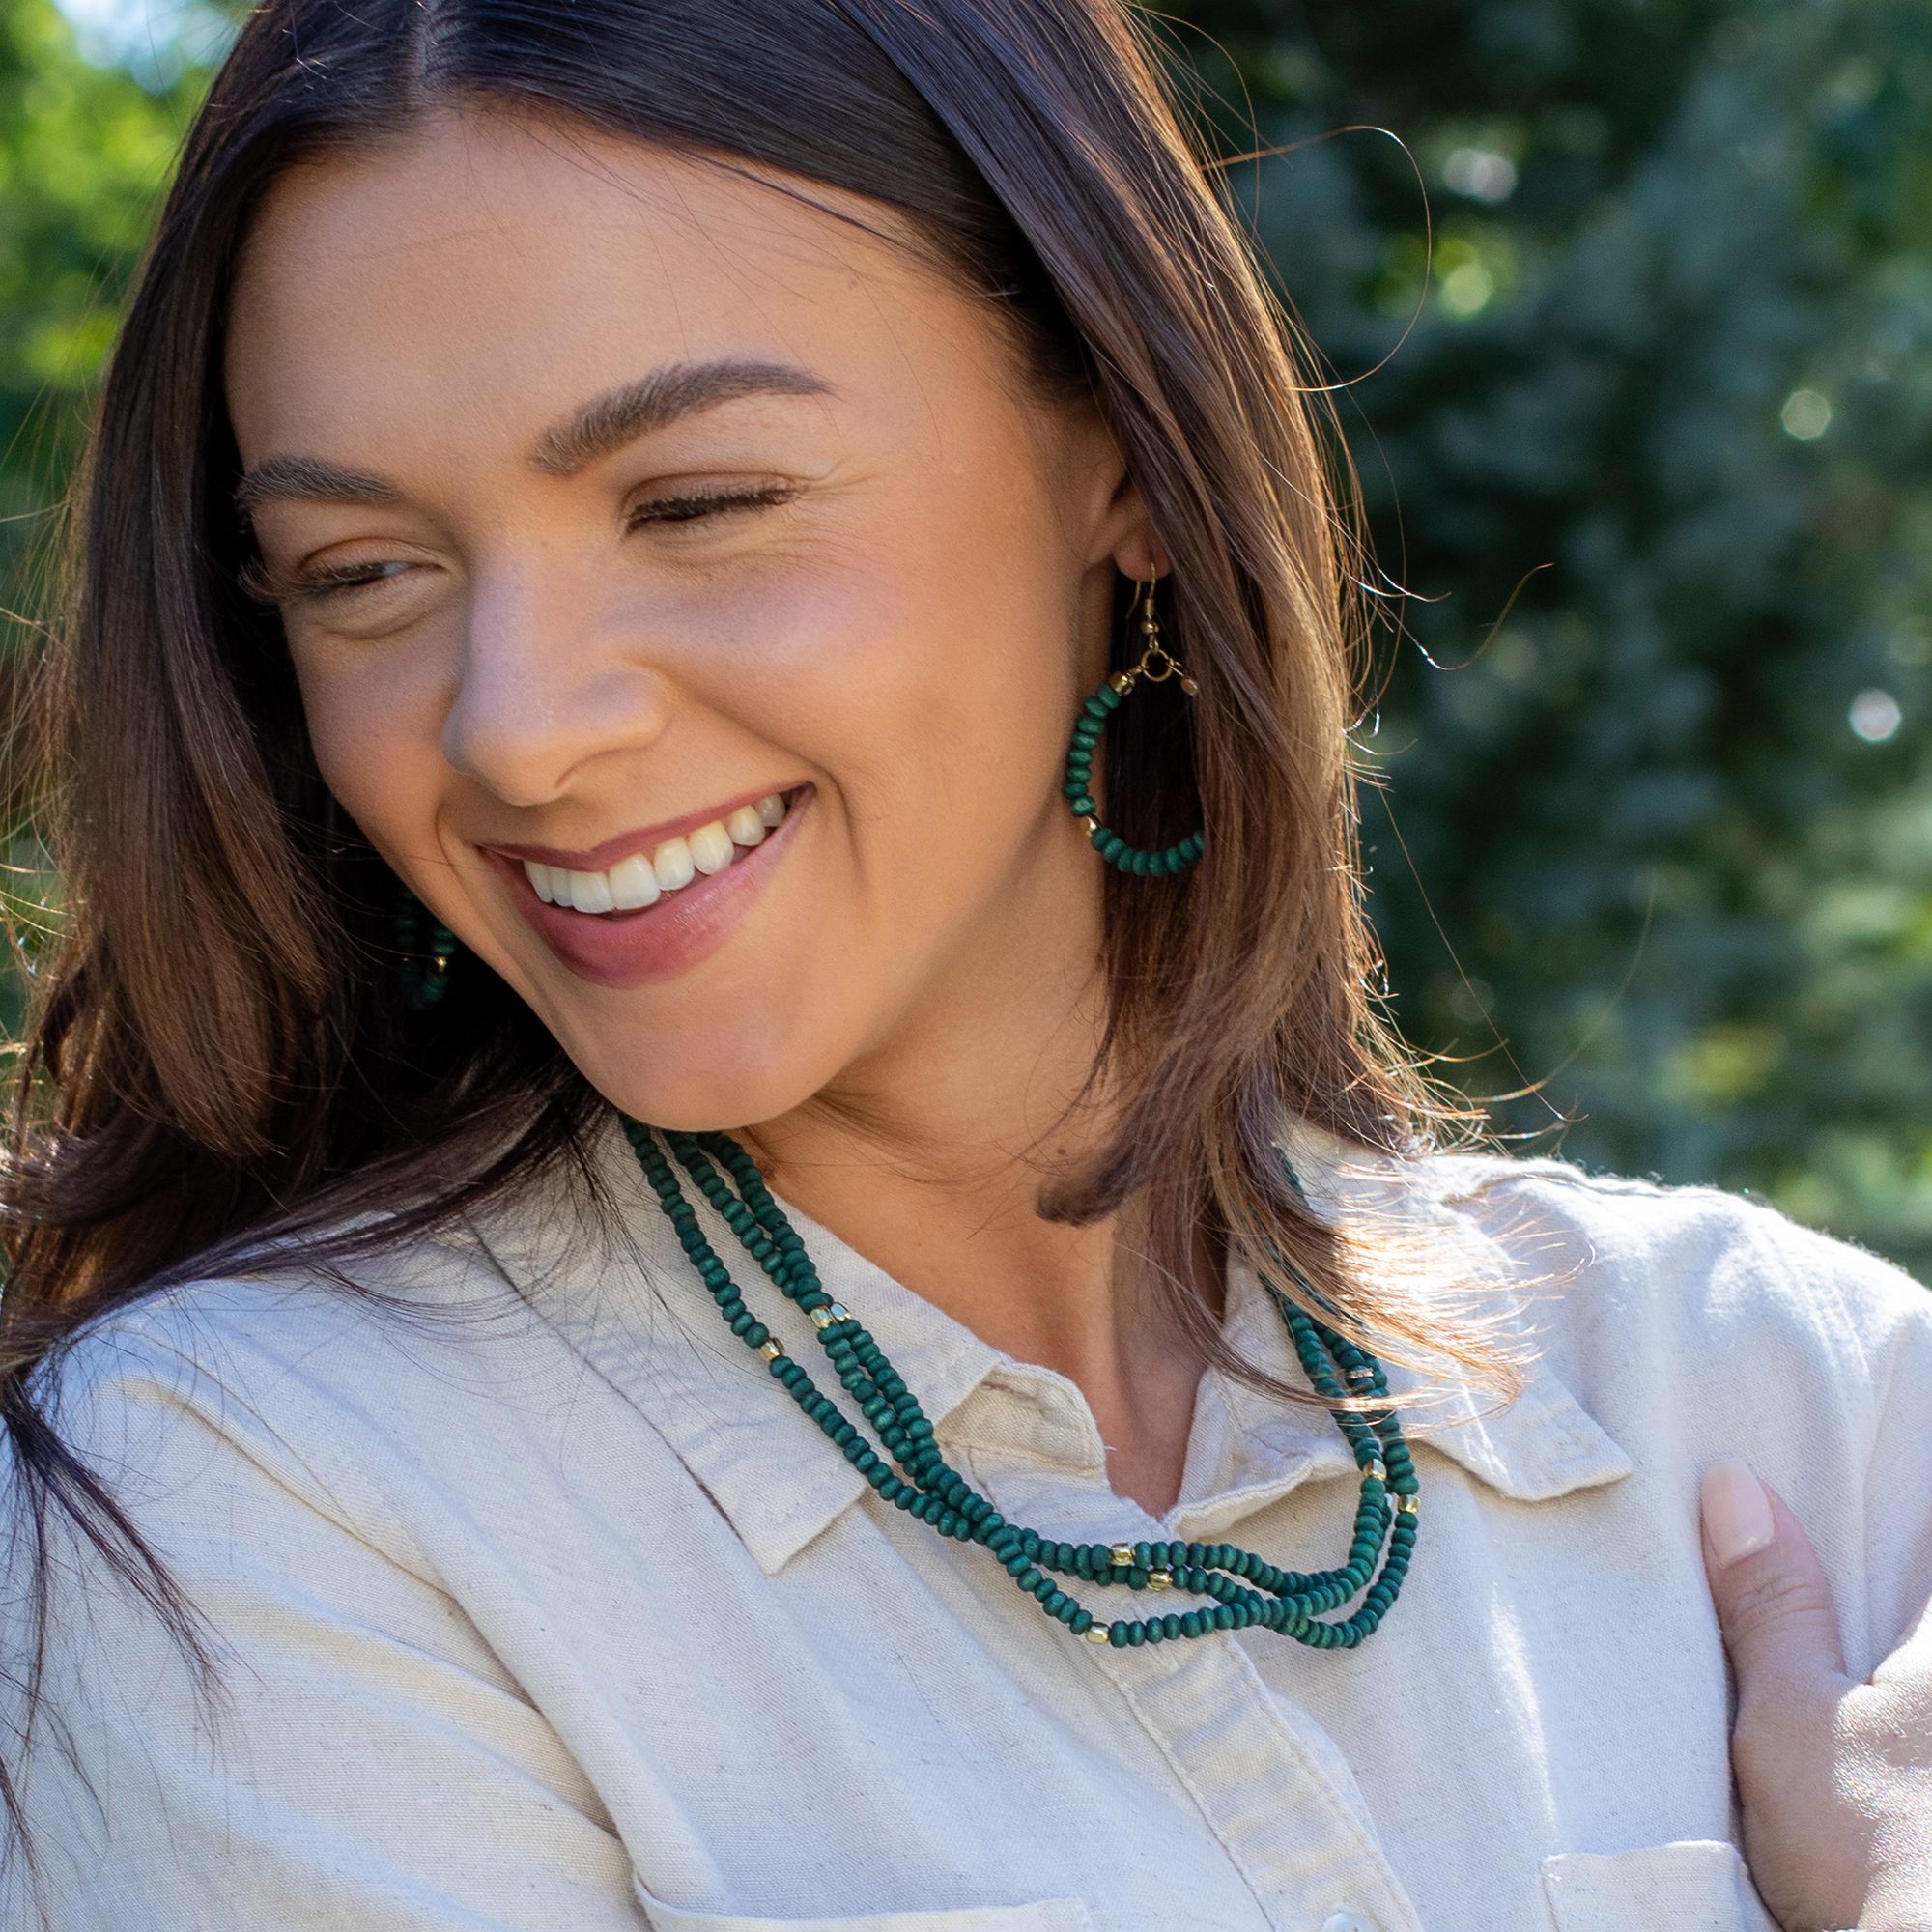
{"type": "Point", "coordinates": [644, 839]}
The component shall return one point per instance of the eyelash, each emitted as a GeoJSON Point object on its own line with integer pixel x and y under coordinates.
{"type": "Point", "coordinates": [694, 505]}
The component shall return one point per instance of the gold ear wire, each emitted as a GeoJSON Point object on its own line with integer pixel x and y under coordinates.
{"type": "Point", "coordinates": [1150, 626]}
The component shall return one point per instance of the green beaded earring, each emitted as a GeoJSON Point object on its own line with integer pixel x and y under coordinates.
{"type": "Point", "coordinates": [1093, 715]}
{"type": "Point", "coordinates": [426, 957]}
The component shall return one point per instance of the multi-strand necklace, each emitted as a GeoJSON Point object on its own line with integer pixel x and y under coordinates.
{"type": "Point", "coordinates": [1248, 1592]}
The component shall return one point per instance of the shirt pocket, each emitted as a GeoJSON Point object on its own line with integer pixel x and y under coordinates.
{"type": "Point", "coordinates": [1694, 1885]}
{"type": "Point", "coordinates": [1044, 1914]}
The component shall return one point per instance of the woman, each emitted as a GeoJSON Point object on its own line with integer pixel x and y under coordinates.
{"type": "Point", "coordinates": [647, 570]}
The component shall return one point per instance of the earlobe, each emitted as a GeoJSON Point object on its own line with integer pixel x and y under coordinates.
{"type": "Point", "coordinates": [1142, 555]}
{"type": "Point", "coordinates": [1137, 551]}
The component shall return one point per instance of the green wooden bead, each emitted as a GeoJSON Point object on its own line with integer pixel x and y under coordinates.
{"type": "Point", "coordinates": [1280, 1599]}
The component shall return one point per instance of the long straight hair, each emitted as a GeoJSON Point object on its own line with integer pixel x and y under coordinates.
{"type": "Point", "coordinates": [216, 1051]}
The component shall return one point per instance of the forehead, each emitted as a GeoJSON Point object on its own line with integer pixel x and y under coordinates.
{"type": "Point", "coordinates": [491, 266]}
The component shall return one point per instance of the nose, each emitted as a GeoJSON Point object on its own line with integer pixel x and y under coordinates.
{"type": "Point", "coordinates": [545, 685]}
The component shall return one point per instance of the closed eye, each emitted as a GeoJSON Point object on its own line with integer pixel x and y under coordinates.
{"type": "Point", "coordinates": [267, 586]}
{"type": "Point", "coordinates": [694, 505]}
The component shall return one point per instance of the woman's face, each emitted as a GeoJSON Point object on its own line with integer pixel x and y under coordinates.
{"type": "Point", "coordinates": [686, 599]}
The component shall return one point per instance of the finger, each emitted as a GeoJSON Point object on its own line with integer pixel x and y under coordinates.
{"type": "Point", "coordinates": [1774, 1602]}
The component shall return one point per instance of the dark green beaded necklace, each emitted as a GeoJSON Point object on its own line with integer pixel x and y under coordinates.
{"type": "Point", "coordinates": [1248, 1591]}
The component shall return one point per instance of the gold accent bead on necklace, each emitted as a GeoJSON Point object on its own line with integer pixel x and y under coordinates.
{"type": "Point", "coordinates": [928, 1488]}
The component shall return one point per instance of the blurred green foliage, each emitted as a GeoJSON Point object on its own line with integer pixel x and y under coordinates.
{"type": "Point", "coordinates": [1642, 290]}
{"type": "Point", "coordinates": [1647, 465]}
{"type": "Point", "coordinates": [85, 152]}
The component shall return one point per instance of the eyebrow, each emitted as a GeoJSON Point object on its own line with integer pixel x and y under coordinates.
{"type": "Point", "coordinates": [605, 423]}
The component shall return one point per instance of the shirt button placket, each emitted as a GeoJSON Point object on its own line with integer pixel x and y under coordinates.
{"type": "Point", "coordinates": [1269, 1783]}
{"type": "Point", "coordinates": [1273, 1785]}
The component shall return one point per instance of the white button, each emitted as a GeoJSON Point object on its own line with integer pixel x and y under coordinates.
{"type": "Point", "coordinates": [1349, 1921]}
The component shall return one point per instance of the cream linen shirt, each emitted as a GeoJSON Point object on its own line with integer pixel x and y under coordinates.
{"type": "Point", "coordinates": [558, 1616]}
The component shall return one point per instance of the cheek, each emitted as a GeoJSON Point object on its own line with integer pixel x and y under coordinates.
{"type": "Point", "coordinates": [923, 670]}
{"type": "Point", "coordinates": [375, 744]}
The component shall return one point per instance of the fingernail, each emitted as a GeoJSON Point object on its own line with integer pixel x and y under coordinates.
{"type": "Point", "coordinates": [1737, 1512]}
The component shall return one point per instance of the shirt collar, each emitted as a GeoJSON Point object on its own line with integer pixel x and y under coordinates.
{"type": "Point", "coordinates": [642, 1319]}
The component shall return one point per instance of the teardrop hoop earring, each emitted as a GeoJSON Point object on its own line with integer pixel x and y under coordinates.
{"type": "Point", "coordinates": [426, 957]}
{"type": "Point", "coordinates": [1093, 715]}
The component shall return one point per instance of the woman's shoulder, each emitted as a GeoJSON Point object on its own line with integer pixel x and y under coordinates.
{"type": "Point", "coordinates": [1691, 1323]}
{"type": "Point", "coordinates": [306, 1465]}
{"type": "Point", "coordinates": [323, 1384]}
{"type": "Point", "coordinates": [279, 1312]}
{"type": "Point", "coordinates": [1697, 1262]}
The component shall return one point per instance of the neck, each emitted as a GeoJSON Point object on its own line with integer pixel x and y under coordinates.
{"type": "Point", "coordinates": [928, 1164]}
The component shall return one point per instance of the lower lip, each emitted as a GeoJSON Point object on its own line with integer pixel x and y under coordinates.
{"type": "Point", "coordinates": [670, 935]}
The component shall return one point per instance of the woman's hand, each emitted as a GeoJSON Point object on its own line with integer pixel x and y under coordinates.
{"type": "Point", "coordinates": [1835, 1777]}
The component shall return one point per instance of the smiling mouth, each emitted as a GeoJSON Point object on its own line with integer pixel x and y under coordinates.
{"type": "Point", "coordinates": [643, 879]}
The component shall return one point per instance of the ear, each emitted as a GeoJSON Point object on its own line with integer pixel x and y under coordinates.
{"type": "Point", "coordinates": [1118, 524]}
{"type": "Point", "coordinates": [1140, 554]}
{"type": "Point", "coordinates": [1137, 551]}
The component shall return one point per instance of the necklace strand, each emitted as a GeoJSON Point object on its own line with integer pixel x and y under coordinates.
{"type": "Point", "coordinates": [1248, 1591]}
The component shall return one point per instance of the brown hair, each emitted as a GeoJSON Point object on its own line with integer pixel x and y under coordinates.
{"type": "Point", "coordinates": [218, 1050]}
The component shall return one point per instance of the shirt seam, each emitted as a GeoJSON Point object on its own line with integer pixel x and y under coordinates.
{"type": "Point", "coordinates": [375, 1523]}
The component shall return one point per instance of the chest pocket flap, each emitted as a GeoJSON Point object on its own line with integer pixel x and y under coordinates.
{"type": "Point", "coordinates": [1696, 1885]}
{"type": "Point", "coordinates": [1046, 1914]}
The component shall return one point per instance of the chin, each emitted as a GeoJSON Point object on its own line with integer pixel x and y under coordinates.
{"type": "Point", "coordinates": [696, 1092]}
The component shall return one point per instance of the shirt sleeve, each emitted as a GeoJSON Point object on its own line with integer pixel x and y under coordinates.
{"type": "Point", "coordinates": [365, 1763]}
{"type": "Point", "coordinates": [1883, 1319]}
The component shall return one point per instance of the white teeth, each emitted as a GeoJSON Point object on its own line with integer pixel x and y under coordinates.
{"type": "Point", "coordinates": [711, 847]}
{"type": "Point", "coordinates": [638, 881]}
{"type": "Point", "coordinates": [672, 863]}
{"type": "Point", "coordinates": [632, 883]}
{"type": "Point", "coordinates": [590, 892]}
